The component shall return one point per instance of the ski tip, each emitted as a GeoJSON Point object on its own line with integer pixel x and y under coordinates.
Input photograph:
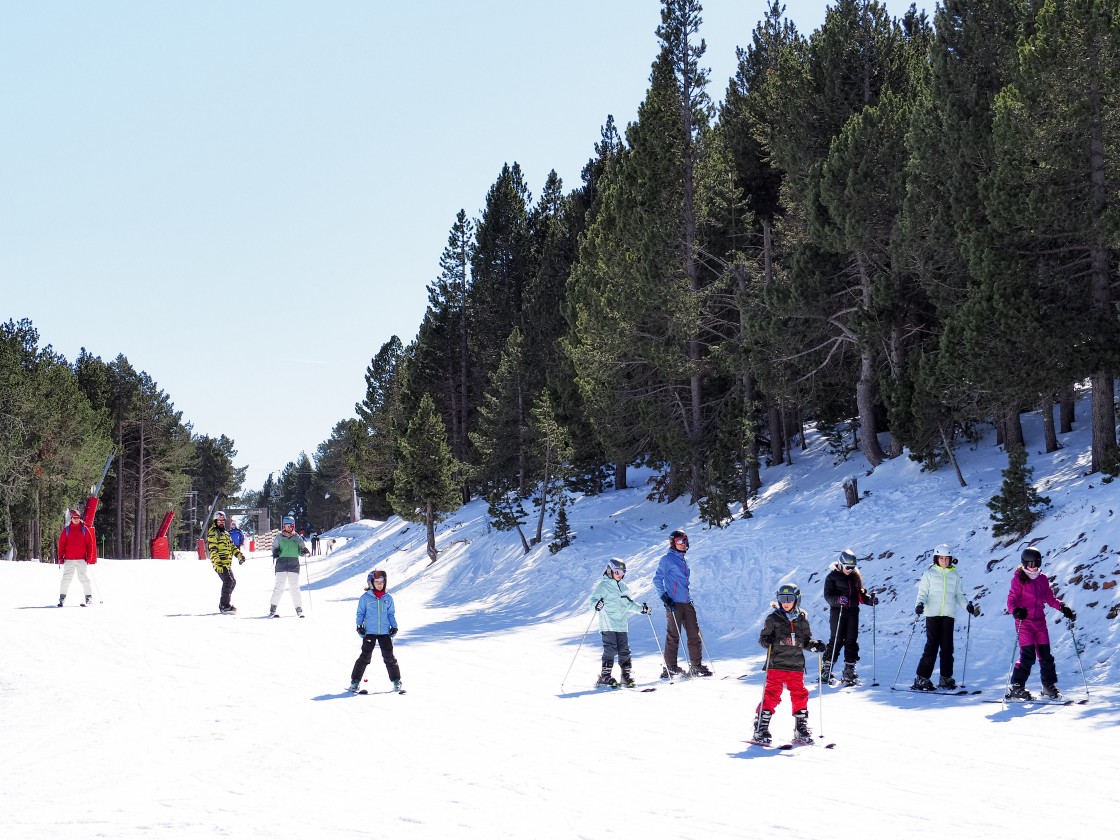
{"type": "Point", "coordinates": [830, 746]}
{"type": "Point", "coordinates": [364, 691]}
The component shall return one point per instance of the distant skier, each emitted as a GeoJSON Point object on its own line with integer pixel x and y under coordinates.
{"type": "Point", "coordinates": [786, 636]}
{"type": "Point", "coordinates": [611, 599]}
{"type": "Point", "coordinates": [844, 592]}
{"type": "Point", "coordinates": [237, 536]}
{"type": "Point", "coordinates": [314, 542]}
{"type": "Point", "coordinates": [671, 582]}
{"type": "Point", "coordinates": [377, 625]}
{"type": "Point", "coordinates": [1026, 601]}
{"type": "Point", "coordinates": [77, 551]}
{"type": "Point", "coordinates": [286, 551]}
{"type": "Point", "coordinates": [940, 592]}
{"type": "Point", "coordinates": [221, 550]}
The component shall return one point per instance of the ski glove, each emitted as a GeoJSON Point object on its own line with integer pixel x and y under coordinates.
{"type": "Point", "coordinates": [666, 600]}
{"type": "Point", "coordinates": [240, 558]}
{"type": "Point", "coordinates": [817, 646]}
{"type": "Point", "coordinates": [766, 639]}
{"type": "Point", "coordinates": [973, 609]}
{"type": "Point", "coordinates": [646, 609]}
{"type": "Point", "coordinates": [361, 628]}
{"type": "Point", "coordinates": [842, 600]}
{"type": "Point", "coordinates": [1019, 613]}
{"type": "Point", "coordinates": [868, 598]}
{"type": "Point", "coordinates": [918, 610]}
{"type": "Point", "coordinates": [598, 605]}
{"type": "Point", "coordinates": [1069, 613]}
{"type": "Point", "coordinates": [392, 632]}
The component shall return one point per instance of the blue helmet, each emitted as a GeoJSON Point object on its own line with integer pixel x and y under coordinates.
{"type": "Point", "coordinates": [288, 520]}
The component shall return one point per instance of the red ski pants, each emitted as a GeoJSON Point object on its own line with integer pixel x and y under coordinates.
{"type": "Point", "coordinates": [776, 681]}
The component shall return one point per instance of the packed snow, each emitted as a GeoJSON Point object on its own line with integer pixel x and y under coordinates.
{"type": "Point", "coordinates": [151, 715]}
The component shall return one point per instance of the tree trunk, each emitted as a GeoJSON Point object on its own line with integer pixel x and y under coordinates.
{"type": "Point", "coordinates": [620, 476]}
{"type": "Point", "coordinates": [1013, 430]}
{"type": "Point", "coordinates": [851, 492]}
{"type": "Point", "coordinates": [430, 525]}
{"type": "Point", "coordinates": [865, 387]}
{"type": "Point", "coordinates": [777, 433]}
{"type": "Point", "coordinates": [1048, 430]}
{"type": "Point", "coordinates": [1066, 415]}
{"type": "Point", "coordinates": [1103, 414]}
{"type": "Point", "coordinates": [952, 455]}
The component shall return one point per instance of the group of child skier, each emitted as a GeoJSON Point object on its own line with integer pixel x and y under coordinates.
{"type": "Point", "coordinates": [786, 633]}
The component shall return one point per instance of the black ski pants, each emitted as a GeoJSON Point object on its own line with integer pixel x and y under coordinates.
{"type": "Point", "coordinates": [939, 639]}
{"type": "Point", "coordinates": [616, 644]}
{"type": "Point", "coordinates": [228, 582]}
{"type": "Point", "coordinates": [1026, 662]}
{"type": "Point", "coordinates": [843, 624]}
{"type": "Point", "coordinates": [368, 643]}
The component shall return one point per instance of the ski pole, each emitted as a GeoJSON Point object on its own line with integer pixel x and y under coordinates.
{"type": "Point", "coordinates": [307, 576]}
{"type": "Point", "coordinates": [96, 588]}
{"type": "Point", "coordinates": [1077, 650]}
{"type": "Point", "coordinates": [578, 649]}
{"type": "Point", "coordinates": [762, 700]}
{"type": "Point", "coordinates": [657, 642]}
{"type": "Point", "coordinates": [832, 651]}
{"type": "Point", "coordinates": [703, 647]}
{"type": "Point", "coordinates": [967, 636]}
{"type": "Point", "coordinates": [874, 651]}
{"type": "Point", "coordinates": [904, 652]}
{"type": "Point", "coordinates": [820, 695]}
{"type": "Point", "coordinates": [1014, 656]}
{"type": "Point", "coordinates": [672, 617]}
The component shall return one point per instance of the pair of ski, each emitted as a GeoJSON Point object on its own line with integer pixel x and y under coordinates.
{"type": "Point", "coordinates": [366, 691]}
{"type": "Point", "coordinates": [769, 745]}
{"type": "Point", "coordinates": [618, 686]}
{"type": "Point", "coordinates": [1039, 701]}
{"type": "Point", "coordinates": [959, 691]}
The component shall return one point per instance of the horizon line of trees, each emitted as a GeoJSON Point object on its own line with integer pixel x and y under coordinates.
{"type": "Point", "coordinates": [895, 229]}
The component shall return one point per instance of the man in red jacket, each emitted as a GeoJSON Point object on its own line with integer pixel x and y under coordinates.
{"type": "Point", "coordinates": [76, 552]}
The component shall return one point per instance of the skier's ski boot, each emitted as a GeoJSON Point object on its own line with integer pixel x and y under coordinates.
{"type": "Point", "coordinates": [848, 676]}
{"type": "Point", "coordinates": [762, 727]}
{"type": "Point", "coordinates": [61, 598]}
{"type": "Point", "coordinates": [299, 612]}
{"type": "Point", "coordinates": [802, 734]}
{"type": "Point", "coordinates": [1051, 692]}
{"type": "Point", "coordinates": [353, 686]}
{"type": "Point", "coordinates": [667, 672]}
{"type": "Point", "coordinates": [88, 601]}
{"type": "Point", "coordinates": [826, 672]}
{"type": "Point", "coordinates": [1017, 692]}
{"type": "Point", "coordinates": [605, 678]}
{"type": "Point", "coordinates": [699, 669]}
{"type": "Point", "coordinates": [947, 682]}
{"type": "Point", "coordinates": [627, 681]}
{"type": "Point", "coordinates": [398, 686]}
{"type": "Point", "coordinates": [272, 611]}
{"type": "Point", "coordinates": [922, 684]}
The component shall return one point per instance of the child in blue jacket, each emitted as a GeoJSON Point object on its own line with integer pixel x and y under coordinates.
{"type": "Point", "coordinates": [377, 625]}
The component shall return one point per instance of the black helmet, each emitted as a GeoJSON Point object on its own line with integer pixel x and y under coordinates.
{"type": "Point", "coordinates": [678, 535]}
{"type": "Point", "coordinates": [787, 591]}
{"type": "Point", "coordinates": [376, 573]}
{"type": "Point", "coordinates": [848, 558]}
{"type": "Point", "coordinates": [1031, 558]}
{"type": "Point", "coordinates": [615, 565]}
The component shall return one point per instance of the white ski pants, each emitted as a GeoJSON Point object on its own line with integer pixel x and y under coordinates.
{"type": "Point", "coordinates": [291, 581]}
{"type": "Point", "coordinates": [68, 569]}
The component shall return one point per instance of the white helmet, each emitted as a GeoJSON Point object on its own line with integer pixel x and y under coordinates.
{"type": "Point", "coordinates": [942, 550]}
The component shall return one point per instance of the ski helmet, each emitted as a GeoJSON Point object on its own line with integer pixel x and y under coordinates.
{"type": "Point", "coordinates": [788, 591]}
{"type": "Point", "coordinates": [615, 565]}
{"type": "Point", "coordinates": [1031, 558]}
{"type": "Point", "coordinates": [848, 558]}
{"type": "Point", "coordinates": [376, 573]}
{"type": "Point", "coordinates": [288, 520]}
{"type": "Point", "coordinates": [678, 536]}
{"type": "Point", "coordinates": [74, 514]}
{"type": "Point", "coordinates": [219, 514]}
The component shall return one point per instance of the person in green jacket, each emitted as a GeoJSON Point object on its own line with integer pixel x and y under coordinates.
{"type": "Point", "coordinates": [286, 551]}
{"type": "Point", "coordinates": [611, 599]}
{"type": "Point", "coordinates": [940, 592]}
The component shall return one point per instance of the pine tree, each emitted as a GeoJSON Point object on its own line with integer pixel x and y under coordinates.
{"type": "Point", "coordinates": [424, 485]}
{"type": "Point", "coordinates": [1014, 507]}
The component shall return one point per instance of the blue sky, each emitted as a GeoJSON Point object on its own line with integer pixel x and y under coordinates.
{"type": "Point", "coordinates": [247, 199]}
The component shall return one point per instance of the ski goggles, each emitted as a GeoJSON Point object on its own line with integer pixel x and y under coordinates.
{"type": "Point", "coordinates": [848, 568]}
{"type": "Point", "coordinates": [787, 599]}
{"type": "Point", "coordinates": [1032, 563]}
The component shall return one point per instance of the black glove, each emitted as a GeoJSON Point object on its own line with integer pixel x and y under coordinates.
{"type": "Point", "coordinates": [598, 605]}
{"type": "Point", "coordinates": [667, 601]}
{"type": "Point", "coordinates": [766, 639]}
{"type": "Point", "coordinates": [361, 628]}
{"type": "Point", "coordinates": [918, 610]}
{"type": "Point", "coordinates": [973, 609]}
{"type": "Point", "coordinates": [306, 552]}
{"type": "Point", "coordinates": [392, 632]}
{"type": "Point", "coordinates": [1069, 613]}
{"type": "Point", "coordinates": [1019, 612]}
{"type": "Point", "coordinates": [276, 554]}
{"type": "Point", "coordinates": [873, 600]}
{"type": "Point", "coordinates": [817, 646]}
{"type": "Point", "coordinates": [646, 609]}
{"type": "Point", "coordinates": [240, 558]}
